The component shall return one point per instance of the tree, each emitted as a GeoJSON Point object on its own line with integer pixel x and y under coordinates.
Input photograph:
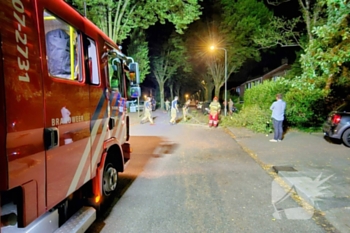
{"type": "Point", "coordinates": [188, 83]}
{"type": "Point", "coordinates": [138, 47]}
{"type": "Point", "coordinates": [170, 85]}
{"type": "Point", "coordinates": [287, 32]}
{"type": "Point", "coordinates": [118, 18]}
{"type": "Point", "coordinates": [327, 51]}
{"type": "Point", "coordinates": [173, 57]}
{"type": "Point", "coordinates": [327, 58]}
{"type": "Point", "coordinates": [240, 22]}
{"type": "Point", "coordinates": [280, 32]}
{"type": "Point", "coordinates": [207, 85]}
{"type": "Point", "coordinates": [216, 69]}
{"type": "Point", "coordinates": [311, 11]}
{"type": "Point", "coordinates": [199, 37]}
{"type": "Point", "coordinates": [325, 62]}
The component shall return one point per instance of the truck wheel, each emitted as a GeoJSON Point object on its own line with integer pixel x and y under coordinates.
{"type": "Point", "coordinates": [346, 138]}
{"type": "Point", "coordinates": [110, 178]}
{"type": "Point", "coordinates": [109, 184]}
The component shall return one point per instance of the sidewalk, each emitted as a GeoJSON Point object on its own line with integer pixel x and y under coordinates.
{"type": "Point", "coordinates": [319, 170]}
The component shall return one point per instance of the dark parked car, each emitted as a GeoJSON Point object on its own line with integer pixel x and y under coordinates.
{"type": "Point", "coordinates": [337, 125]}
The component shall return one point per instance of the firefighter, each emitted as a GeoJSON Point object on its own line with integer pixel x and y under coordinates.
{"type": "Point", "coordinates": [147, 111]}
{"type": "Point", "coordinates": [185, 109]}
{"type": "Point", "coordinates": [167, 106]}
{"type": "Point", "coordinates": [174, 110]}
{"type": "Point", "coordinates": [214, 110]}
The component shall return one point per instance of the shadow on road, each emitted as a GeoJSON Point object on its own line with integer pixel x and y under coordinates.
{"type": "Point", "coordinates": [332, 140]}
{"type": "Point", "coordinates": [144, 148]}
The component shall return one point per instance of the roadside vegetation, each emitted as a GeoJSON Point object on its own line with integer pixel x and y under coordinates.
{"type": "Point", "coordinates": [319, 80]}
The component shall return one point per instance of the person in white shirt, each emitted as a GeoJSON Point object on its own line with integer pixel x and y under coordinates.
{"type": "Point", "coordinates": [147, 111]}
{"type": "Point", "coordinates": [174, 110]}
{"type": "Point", "coordinates": [278, 107]}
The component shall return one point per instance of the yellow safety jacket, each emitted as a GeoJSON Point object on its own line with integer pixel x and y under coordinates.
{"type": "Point", "coordinates": [214, 107]}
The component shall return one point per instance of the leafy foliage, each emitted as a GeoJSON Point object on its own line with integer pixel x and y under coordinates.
{"type": "Point", "coordinates": [233, 37]}
{"type": "Point", "coordinates": [279, 32]}
{"type": "Point", "coordinates": [138, 48]}
{"type": "Point", "coordinates": [324, 66]}
{"type": "Point", "coordinates": [326, 59]}
{"type": "Point", "coordinates": [118, 18]}
{"type": "Point", "coordinates": [253, 117]}
{"type": "Point", "coordinates": [321, 76]}
{"type": "Point", "coordinates": [296, 69]}
{"type": "Point", "coordinates": [173, 57]}
{"type": "Point", "coordinates": [305, 106]}
{"type": "Point", "coordinates": [242, 20]}
{"type": "Point", "coordinates": [121, 18]}
{"type": "Point", "coordinates": [263, 95]}
{"type": "Point", "coordinates": [257, 101]}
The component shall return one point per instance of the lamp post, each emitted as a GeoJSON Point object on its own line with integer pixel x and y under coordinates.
{"type": "Point", "coordinates": [213, 47]}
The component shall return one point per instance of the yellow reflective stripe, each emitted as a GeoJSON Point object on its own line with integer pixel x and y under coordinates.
{"type": "Point", "coordinates": [72, 65]}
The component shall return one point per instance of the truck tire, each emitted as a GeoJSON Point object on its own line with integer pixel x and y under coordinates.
{"type": "Point", "coordinates": [346, 137]}
{"type": "Point", "coordinates": [109, 182]}
{"type": "Point", "coordinates": [109, 185]}
{"type": "Point", "coordinates": [110, 178]}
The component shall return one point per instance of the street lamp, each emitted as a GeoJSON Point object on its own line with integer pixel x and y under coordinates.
{"type": "Point", "coordinates": [212, 48]}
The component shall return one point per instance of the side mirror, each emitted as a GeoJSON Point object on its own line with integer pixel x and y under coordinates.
{"type": "Point", "coordinates": [134, 71]}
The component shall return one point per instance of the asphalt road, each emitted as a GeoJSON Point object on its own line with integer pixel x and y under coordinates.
{"type": "Point", "coordinates": [190, 178]}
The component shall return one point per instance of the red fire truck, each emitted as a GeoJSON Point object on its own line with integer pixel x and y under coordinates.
{"type": "Point", "coordinates": [64, 128]}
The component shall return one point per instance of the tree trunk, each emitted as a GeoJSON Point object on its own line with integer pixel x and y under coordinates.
{"type": "Point", "coordinates": [217, 91]}
{"type": "Point", "coordinates": [208, 91]}
{"type": "Point", "coordinates": [171, 92]}
{"type": "Point", "coordinates": [161, 93]}
{"type": "Point", "coordinates": [177, 91]}
{"type": "Point", "coordinates": [329, 82]}
{"type": "Point", "coordinates": [200, 95]}
{"type": "Point", "coordinates": [305, 9]}
{"type": "Point", "coordinates": [109, 23]}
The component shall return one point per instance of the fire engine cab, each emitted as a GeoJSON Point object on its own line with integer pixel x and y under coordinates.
{"type": "Point", "coordinates": [64, 127]}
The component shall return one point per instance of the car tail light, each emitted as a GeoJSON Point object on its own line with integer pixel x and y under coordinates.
{"type": "Point", "coordinates": [336, 119]}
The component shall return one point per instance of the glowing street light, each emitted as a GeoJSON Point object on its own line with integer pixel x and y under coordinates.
{"type": "Point", "coordinates": [212, 48]}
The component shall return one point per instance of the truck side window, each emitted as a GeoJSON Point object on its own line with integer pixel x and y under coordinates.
{"type": "Point", "coordinates": [115, 73]}
{"type": "Point", "coordinates": [90, 54]}
{"type": "Point", "coordinates": [62, 48]}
